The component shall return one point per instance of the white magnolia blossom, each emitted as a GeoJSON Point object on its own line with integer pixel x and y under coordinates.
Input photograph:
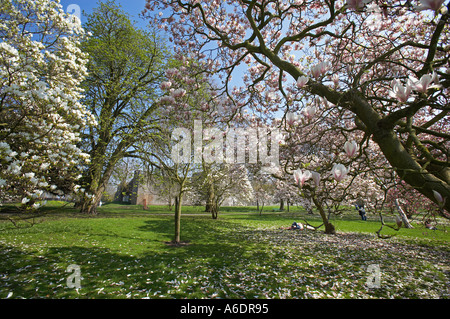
{"type": "Point", "coordinates": [339, 172]}
{"type": "Point", "coordinates": [301, 176]}
{"type": "Point", "coordinates": [350, 148]}
{"type": "Point", "coordinates": [302, 81]}
{"type": "Point", "coordinates": [41, 69]}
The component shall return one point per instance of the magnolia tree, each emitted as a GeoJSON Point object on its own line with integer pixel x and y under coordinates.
{"type": "Point", "coordinates": [385, 64]}
{"type": "Point", "coordinates": [41, 68]}
{"type": "Point", "coordinates": [327, 169]}
{"type": "Point", "coordinates": [264, 186]}
{"type": "Point", "coordinates": [287, 194]}
{"type": "Point", "coordinates": [215, 183]}
{"type": "Point", "coordinates": [184, 108]}
{"type": "Point", "coordinates": [330, 170]}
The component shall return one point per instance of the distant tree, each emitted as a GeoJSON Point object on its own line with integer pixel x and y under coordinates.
{"type": "Point", "coordinates": [158, 156]}
{"type": "Point", "coordinates": [214, 183]}
{"type": "Point", "coordinates": [125, 70]}
{"type": "Point", "coordinates": [170, 153]}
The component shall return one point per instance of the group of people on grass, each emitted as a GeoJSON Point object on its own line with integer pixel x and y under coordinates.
{"type": "Point", "coordinates": [359, 205]}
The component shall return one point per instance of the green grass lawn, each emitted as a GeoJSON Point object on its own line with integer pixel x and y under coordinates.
{"type": "Point", "coordinates": [122, 253]}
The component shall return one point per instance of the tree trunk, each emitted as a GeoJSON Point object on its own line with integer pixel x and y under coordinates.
{"type": "Point", "coordinates": [262, 207]}
{"type": "Point", "coordinates": [214, 211]}
{"type": "Point", "coordinates": [282, 205]}
{"type": "Point", "coordinates": [402, 214]}
{"type": "Point", "coordinates": [89, 206]}
{"type": "Point", "coordinates": [177, 236]}
{"type": "Point", "coordinates": [211, 204]}
{"type": "Point", "coordinates": [98, 179]}
{"type": "Point", "coordinates": [329, 228]}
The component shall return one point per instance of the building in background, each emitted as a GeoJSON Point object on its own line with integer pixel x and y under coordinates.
{"type": "Point", "coordinates": [138, 192]}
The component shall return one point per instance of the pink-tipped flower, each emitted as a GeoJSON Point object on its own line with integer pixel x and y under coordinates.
{"type": "Point", "coordinates": [320, 69]}
{"type": "Point", "coordinates": [434, 5]}
{"type": "Point", "coordinates": [309, 112]}
{"type": "Point", "coordinates": [424, 83]}
{"type": "Point", "coordinates": [400, 92]}
{"type": "Point", "coordinates": [339, 172]}
{"type": "Point", "coordinates": [335, 79]}
{"type": "Point", "coordinates": [179, 93]}
{"type": "Point", "coordinates": [291, 118]}
{"type": "Point", "coordinates": [350, 148]}
{"type": "Point", "coordinates": [167, 99]}
{"type": "Point", "coordinates": [301, 177]}
{"type": "Point", "coordinates": [166, 85]}
{"type": "Point", "coordinates": [302, 81]}
{"type": "Point", "coordinates": [170, 73]}
{"type": "Point", "coordinates": [316, 178]}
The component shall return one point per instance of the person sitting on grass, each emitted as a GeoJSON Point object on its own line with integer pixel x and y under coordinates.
{"type": "Point", "coordinates": [294, 226]}
{"type": "Point", "coordinates": [428, 225]}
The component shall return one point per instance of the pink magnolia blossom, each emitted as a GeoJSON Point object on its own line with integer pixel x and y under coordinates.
{"type": "Point", "coordinates": [335, 79]}
{"type": "Point", "coordinates": [320, 69]}
{"type": "Point", "coordinates": [400, 92]}
{"type": "Point", "coordinates": [302, 81]}
{"type": "Point", "coordinates": [172, 72]}
{"type": "Point", "coordinates": [166, 85]}
{"type": "Point", "coordinates": [350, 148]}
{"type": "Point", "coordinates": [316, 178]}
{"type": "Point", "coordinates": [167, 99]}
{"type": "Point", "coordinates": [424, 83]}
{"type": "Point", "coordinates": [310, 111]}
{"type": "Point", "coordinates": [179, 93]}
{"type": "Point", "coordinates": [339, 172]}
{"type": "Point", "coordinates": [291, 118]}
{"type": "Point", "coordinates": [438, 197]}
{"type": "Point", "coordinates": [301, 177]}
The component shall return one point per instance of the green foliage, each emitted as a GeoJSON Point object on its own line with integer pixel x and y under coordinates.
{"type": "Point", "coordinates": [126, 67]}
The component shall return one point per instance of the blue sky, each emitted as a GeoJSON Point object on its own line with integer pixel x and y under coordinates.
{"type": "Point", "coordinates": [132, 7]}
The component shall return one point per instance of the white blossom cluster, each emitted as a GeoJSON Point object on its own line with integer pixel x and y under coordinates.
{"type": "Point", "coordinates": [41, 69]}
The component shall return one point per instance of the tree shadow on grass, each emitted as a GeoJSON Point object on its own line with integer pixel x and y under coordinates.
{"type": "Point", "coordinates": [41, 272]}
{"type": "Point", "coordinates": [224, 259]}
